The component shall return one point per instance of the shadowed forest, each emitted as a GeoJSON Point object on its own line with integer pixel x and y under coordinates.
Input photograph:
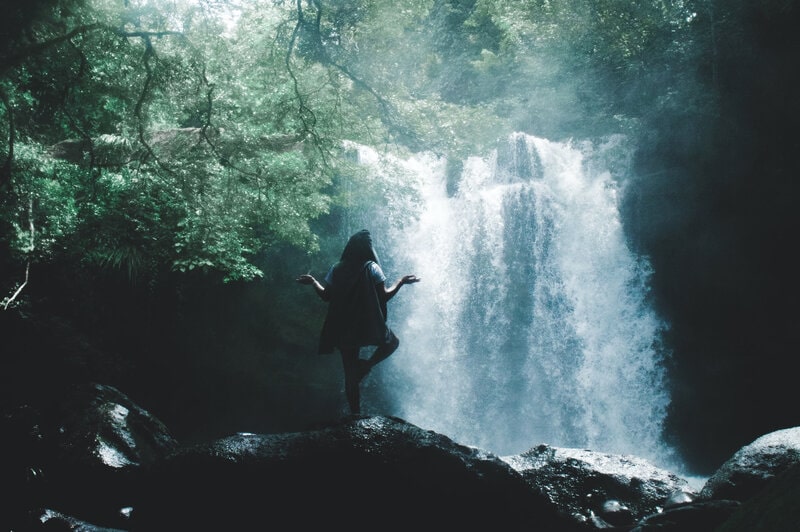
{"type": "Point", "coordinates": [167, 168]}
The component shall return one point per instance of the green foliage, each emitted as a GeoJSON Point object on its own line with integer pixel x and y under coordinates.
{"type": "Point", "coordinates": [45, 212]}
{"type": "Point", "coordinates": [150, 137]}
{"type": "Point", "coordinates": [180, 159]}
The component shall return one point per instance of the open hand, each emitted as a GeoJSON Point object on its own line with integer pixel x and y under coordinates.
{"type": "Point", "coordinates": [305, 279]}
{"type": "Point", "coordinates": [411, 279]}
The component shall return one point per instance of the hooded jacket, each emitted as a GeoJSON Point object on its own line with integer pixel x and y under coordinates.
{"type": "Point", "coordinates": [356, 311]}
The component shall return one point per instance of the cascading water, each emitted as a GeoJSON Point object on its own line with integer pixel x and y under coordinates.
{"type": "Point", "coordinates": [531, 323]}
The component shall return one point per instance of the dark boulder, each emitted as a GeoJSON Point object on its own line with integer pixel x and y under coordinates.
{"type": "Point", "coordinates": [97, 447]}
{"type": "Point", "coordinates": [96, 461]}
{"type": "Point", "coordinates": [749, 470]}
{"type": "Point", "coordinates": [776, 507]}
{"type": "Point", "coordinates": [757, 489]}
{"type": "Point", "coordinates": [362, 473]}
{"type": "Point", "coordinates": [597, 489]}
{"type": "Point", "coordinates": [697, 516]}
{"type": "Point", "coordinates": [52, 521]}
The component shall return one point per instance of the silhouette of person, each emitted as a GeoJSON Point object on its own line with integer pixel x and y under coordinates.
{"type": "Point", "coordinates": [356, 293]}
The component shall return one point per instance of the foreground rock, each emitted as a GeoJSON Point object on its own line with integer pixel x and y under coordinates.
{"type": "Point", "coordinates": [364, 473]}
{"type": "Point", "coordinates": [82, 457]}
{"type": "Point", "coordinates": [98, 462]}
{"type": "Point", "coordinates": [694, 516]}
{"type": "Point", "coordinates": [776, 507]}
{"type": "Point", "coordinates": [757, 489]}
{"type": "Point", "coordinates": [597, 489]}
{"type": "Point", "coordinates": [102, 443]}
{"type": "Point", "coordinates": [754, 465]}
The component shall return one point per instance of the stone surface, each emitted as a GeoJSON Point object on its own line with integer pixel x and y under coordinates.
{"type": "Point", "coordinates": [752, 466]}
{"type": "Point", "coordinates": [594, 486]}
{"type": "Point", "coordinates": [363, 473]}
{"type": "Point", "coordinates": [774, 508]}
{"type": "Point", "coordinates": [97, 461]}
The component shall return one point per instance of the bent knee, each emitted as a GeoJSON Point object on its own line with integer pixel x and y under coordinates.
{"type": "Point", "coordinates": [394, 342]}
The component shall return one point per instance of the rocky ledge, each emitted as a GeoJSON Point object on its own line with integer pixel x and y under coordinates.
{"type": "Point", "coordinates": [99, 462]}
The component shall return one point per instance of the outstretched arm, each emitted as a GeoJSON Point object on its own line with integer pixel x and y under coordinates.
{"type": "Point", "coordinates": [390, 291]}
{"type": "Point", "coordinates": [321, 291]}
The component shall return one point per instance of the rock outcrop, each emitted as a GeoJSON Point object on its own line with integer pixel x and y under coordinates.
{"type": "Point", "coordinates": [751, 467]}
{"type": "Point", "coordinates": [97, 462]}
{"type": "Point", "coordinates": [598, 488]}
{"type": "Point", "coordinates": [359, 474]}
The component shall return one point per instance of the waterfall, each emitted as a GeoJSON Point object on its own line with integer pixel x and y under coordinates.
{"type": "Point", "coordinates": [531, 324]}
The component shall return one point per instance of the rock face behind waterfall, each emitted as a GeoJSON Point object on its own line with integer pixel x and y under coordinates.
{"type": "Point", "coordinates": [98, 462]}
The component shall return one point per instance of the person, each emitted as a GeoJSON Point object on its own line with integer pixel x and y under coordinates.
{"type": "Point", "coordinates": [356, 292]}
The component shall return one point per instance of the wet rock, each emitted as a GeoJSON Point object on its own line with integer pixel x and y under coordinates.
{"type": "Point", "coordinates": [588, 485]}
{"type": "Point", "coordinates": [753, 466]}
{"type": "Point", "coordinates": [775, 507]}
{"type": "Point", "coordinates": [701, 516]}
{"type": "Point", "coordinates": [99, 443]}
{"type": "Point", "coordinates": [363, 473]}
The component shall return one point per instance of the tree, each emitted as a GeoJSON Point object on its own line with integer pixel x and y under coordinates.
{"type": "Point", "coordinates": [178, 159]}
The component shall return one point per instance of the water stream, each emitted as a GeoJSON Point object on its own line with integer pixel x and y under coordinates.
{"type": "Point", "coordinates": [531, 324]}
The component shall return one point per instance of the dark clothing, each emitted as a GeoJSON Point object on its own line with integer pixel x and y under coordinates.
{"type": "Point", "coordinates": [356, 313]}
{"type": "Point", "coordinates": [356, 368]}
{"type": "Point", "coordinates": [359, 249]}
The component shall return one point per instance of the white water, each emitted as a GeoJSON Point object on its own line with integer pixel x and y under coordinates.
{"type": "Point", "coordinates": [531, 323]}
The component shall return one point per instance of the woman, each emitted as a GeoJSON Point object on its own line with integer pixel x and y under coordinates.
{"type": "Point", "coordinates": [356, 293]}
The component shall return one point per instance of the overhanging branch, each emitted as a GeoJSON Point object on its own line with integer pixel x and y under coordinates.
{"type": "Point", "coordinates": [5, 171]}
{"type": "Point", "coordinates": [307, 116]}
{"type": "Point", "coordinates": [19, 290]}
{"type": "Point", "coordinates": [16, 59]}
{"type": "Point", "coordinates": [137, 111]}
{"type": "Point", "coordinates": [388, 113]}
{"type": "Point", "coordinates": [31, 246]}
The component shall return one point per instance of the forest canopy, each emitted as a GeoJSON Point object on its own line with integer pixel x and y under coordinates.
{"type": "Point", "coordinates": [191, 134]}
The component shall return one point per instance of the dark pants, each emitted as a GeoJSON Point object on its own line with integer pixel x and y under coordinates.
{"type": "Point", "coordinates": [356, 368]}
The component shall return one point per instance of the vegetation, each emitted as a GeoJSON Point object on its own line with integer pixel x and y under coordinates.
{"type": "Point", "coordinates": [153, 136]}
{"type": "Point", "coordinates": [158, 156]}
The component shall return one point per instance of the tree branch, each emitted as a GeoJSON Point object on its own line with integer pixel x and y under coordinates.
{"type": "Point", "coordinates": [16, 59]}
{"type": "Point", "coordinates": [14, 296]}
{"type": "Point", "coordinates": [137, 111]}
{"type": "Point", "coordinates": [303, 110]}
{"type": "Point", "coordinates": [389, 113]}
{"type": "Point", "coordinates": [31, 247]}
{"type": "Point", "coordinates": [5, 171]}
{"type": "Point", "coordinates": [211, 144]}
{"type": "Point", "coordinates": [93, 169]}
{"type": "Point", "coordinates": [146, 34]}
